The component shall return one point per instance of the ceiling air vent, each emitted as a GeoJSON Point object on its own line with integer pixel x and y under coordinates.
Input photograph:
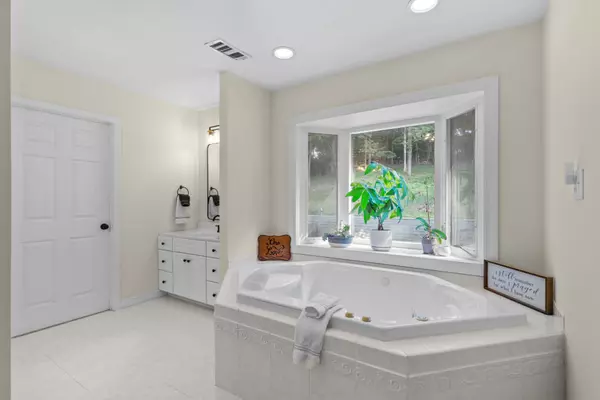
{"type": "Point", "coordinates": [225, 48]}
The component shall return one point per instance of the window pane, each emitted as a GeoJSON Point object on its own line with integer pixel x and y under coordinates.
{"type": "Point", "coordinates": [462, 175]}
{"type": "Point", "coordinates": [322, 184]}
{"type": "Point", "coordinates": [410, 151]}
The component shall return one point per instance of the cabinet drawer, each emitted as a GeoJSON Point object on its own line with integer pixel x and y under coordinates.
{"type": "Point", "coordinates": [165, 260]}
{"type": "Point", "coordinates": [212, 291]}
{"type": "Point", "coordinates": [189, 276]}
{"type": "Point", "coordinates": [188, 246]}
{"type": "Point", "coordinates": [165, 243]}
{"type": "Point", "coordinates": [165, 281]}
{"type": "Point", "coordinates": [212, 270]}
{"type": "Point", "coordinates": [213, 249]}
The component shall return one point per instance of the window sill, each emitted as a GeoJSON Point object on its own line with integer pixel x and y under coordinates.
{"type": "Point", "coordinates": [396, 257]}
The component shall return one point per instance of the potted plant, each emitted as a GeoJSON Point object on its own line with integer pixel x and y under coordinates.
{"type": "Point", "coordinates": [430, 234]}
{"type": "Point", "coordinates": [341, 237]}
{"type": "Point", "coordinates": [380, 200]}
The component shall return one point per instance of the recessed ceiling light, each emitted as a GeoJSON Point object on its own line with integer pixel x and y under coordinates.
{"type": "Point", "coordinates": [283, 53]}
{"type": "Point", "coordinates": [422, 6]}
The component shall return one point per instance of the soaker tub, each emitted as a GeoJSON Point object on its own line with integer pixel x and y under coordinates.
{"type": "Point", "coordinates": [400, 304]}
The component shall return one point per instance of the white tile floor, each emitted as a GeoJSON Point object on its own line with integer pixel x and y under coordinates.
{"type": "Point", "coordinates": [162, 349]}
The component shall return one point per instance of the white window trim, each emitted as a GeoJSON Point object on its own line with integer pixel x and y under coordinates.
{"type": "Point", "coordinates": [486, 166]}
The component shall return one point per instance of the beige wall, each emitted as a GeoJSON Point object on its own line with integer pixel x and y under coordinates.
{"type": "Point", "coordinates": [207, 118]}
{"type": "Point", "coordinates": [514, 55]}
{"type": "Point", "coordinates": [4, 199]}
{"type": "Point", "coordinates": [572, 83]}
{"type": "Point", "coordinates": [159, 152]}
{"type": "Point", "coordinates": [245, 149]}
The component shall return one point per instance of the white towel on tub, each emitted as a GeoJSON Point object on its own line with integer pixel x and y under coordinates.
{"type": "Point", "coordinates": [318, 305]}
{"type": "Point", "coordinates": [309, 337]}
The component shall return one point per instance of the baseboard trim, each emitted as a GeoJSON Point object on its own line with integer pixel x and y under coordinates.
{"type": "Point", "coordinates": [132, 301]}
{"type": "Point", "coordinates": [190, 301]}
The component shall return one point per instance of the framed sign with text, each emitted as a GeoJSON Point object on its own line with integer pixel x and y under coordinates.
{"type": "Point", "coordinates": [526, 288]}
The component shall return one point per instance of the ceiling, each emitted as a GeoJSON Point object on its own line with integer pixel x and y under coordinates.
{"type": "Point", "coordinates": [156, 47]}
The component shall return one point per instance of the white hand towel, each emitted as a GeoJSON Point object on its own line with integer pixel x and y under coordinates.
{"type": "Point", "coordinates": [309, 337]}
{"type": "Point", "coordinates": [318, 305]}
{"type": "Point", "coordinates": [182, 214]}
{"type": "Point", "coordinates": [213, 210]}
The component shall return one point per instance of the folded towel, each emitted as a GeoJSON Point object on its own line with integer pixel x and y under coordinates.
{"type": "Point", "coordinates": [182, 214]}
{"type": "Point", "coordinates": [213, 207]}
{"type": "Point", "coordinates": [309, 337]}
{"type": "Point", "coordinates": [318, 305]}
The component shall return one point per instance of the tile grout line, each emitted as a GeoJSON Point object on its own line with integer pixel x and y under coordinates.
{"type": "Point", "coordinates": [66, 373]}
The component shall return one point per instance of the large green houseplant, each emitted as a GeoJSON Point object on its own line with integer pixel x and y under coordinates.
{"type": "Point", "coordinates": [379, 197]}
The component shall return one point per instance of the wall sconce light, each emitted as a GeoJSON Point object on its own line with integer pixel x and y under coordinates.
{"type": "Point", "coordinates": [213, 129]}
{"type": "Point", "coordinates": [574, 176]}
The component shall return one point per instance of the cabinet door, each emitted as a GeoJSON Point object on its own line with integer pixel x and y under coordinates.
{"type": "Point", "coordinates": [189, 276]}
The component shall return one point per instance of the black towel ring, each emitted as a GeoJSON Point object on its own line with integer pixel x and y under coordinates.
{"type": "Point", "coordinates": [181, 187]}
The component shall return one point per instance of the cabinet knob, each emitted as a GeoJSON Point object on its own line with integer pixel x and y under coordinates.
{"type": "Point", "coordinates": [214, 250]}
{"type": "Point", "coordinates": [214, 295]}
{"type": "Point", "coordinates": [162, 243]}
{"type": "Point", "coordinates": [164, 282]}
{"type": "Point", "coordinates": [163, 261]}
{"type": "Point", "coordinates": [214, 270]}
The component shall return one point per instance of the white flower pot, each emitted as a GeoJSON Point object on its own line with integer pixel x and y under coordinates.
{"type": "Point", "coordinates": [381, 240]}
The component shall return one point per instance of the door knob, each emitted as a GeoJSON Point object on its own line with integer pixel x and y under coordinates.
{"type": "Point", "coordinates": [104, 227]}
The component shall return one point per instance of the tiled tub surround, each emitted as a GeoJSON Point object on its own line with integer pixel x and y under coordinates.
{"type": "Point", "coordinates": [391, 299]}
{"type": "Point", "coordinates": [254, 359]}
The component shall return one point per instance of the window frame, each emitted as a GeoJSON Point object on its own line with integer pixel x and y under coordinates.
{"type": "Point", "coordinates": [446, 174]}
{"type": "Point", "coordinates": [486, 167]}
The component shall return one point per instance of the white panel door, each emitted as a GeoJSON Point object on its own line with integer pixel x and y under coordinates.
{"type": "Point", "coordinates": [60, 198]}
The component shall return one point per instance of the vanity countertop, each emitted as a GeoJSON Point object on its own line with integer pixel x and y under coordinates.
{"type": "Point", "coordinates": [196, 234]}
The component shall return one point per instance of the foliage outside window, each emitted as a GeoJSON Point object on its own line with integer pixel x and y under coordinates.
{"type": "Point", "coordinates": [410, 151]}
{"type": "Point", "coordinates": [322, 184]}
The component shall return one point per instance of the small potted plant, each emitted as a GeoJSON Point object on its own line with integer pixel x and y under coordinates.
{"type": "Point", "coordinates": [341, 237]}
{"type": "Point", "coordinates": [430, 234]}
{"type": "Point", "coordinates": [380, 200]}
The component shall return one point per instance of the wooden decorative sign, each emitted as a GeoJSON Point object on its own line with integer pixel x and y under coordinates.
{"type": "Point", "coordinates": [274, 248]}
{"type": "Point", "coordinates": [526, 288]}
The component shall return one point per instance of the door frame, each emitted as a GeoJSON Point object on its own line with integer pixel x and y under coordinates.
{"type": "Point", "coordinates": [114, 279]}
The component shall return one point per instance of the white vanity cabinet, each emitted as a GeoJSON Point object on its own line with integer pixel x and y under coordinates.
{"type": "Point", "coordinates": [188, 265]}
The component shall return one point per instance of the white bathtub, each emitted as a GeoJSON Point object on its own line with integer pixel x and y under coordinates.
{"type": "Point", "coordinates": [400, 304]}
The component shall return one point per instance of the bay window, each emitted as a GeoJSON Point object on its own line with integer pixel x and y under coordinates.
{"type": "Point", "coordinates": [447, 155]}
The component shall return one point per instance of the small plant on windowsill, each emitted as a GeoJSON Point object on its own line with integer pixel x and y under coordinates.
{"type": "Point", "coordinates": [381, 200]}
{"type": "Point", "coordinates": [341, 237]}
{"type": "Point", "coordinates": [430, 234]}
